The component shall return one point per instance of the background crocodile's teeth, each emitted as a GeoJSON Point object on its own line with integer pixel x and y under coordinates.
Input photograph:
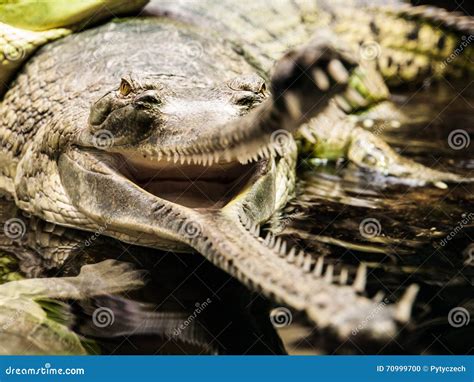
{"type": "Point", "coordinates": [342, 103]}
{"type": "Point", "coordinates": [361, 278]}
{"type": "Point", "coordinates": [379, 296]}
{"type": "Point", "coordinates": [403, 307]}
{"type": "Point", "coordinates": [338, 72]}
{"type": "Point", "coordinates": [293, 105]}
{"type": "Point", "coordinates": [320, 78]}
{"type": "Point", "coordinates": [355, 98]}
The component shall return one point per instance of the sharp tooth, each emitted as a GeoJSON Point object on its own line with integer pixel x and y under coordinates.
{"type": "Point", "coordinates": [283, 248]}
{"type": "Point", "coordinates": [292, 105]}
{"type": "Point", "coordinates": [338, 71]}
{"type": "Point", "coordinates": [355, 97]}
{"type": "Point", "coordinates": [256, 231]}
{"type": "Point", "coordinates": [292, 253]}
{"type": "Point", "coordinates": [343, 104]}
{"type": "Point", "coordinates": [343, 276]}
{"type": "Point", "coordinates": [321, 80]}
{"type": "Point", "coordinates": [277, 244]}
{"type": "Point", "coordinates": [268, 239]}
{"type": "Point", "coordinates": [361, 278]}
{"type": "Point", "coordinates": [291, 256]}
{"type": "Point", "coordinates": [379, 296]}
{"type": "Point", "coordinates": [300, 258]}
{"type": "Point", "coordinates": [329, 274]}
{"type": "Point", "coordinates": [308, 260]}
{"type": "Point", "coordinates": [318, 270]}
{"type": "Point", "coordinates": [404, 306]}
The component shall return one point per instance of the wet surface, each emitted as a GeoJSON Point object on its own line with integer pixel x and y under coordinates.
{"type": "Point", "coordinates": [348, 215]}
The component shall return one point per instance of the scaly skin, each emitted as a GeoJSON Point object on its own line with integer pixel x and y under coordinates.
{"type": "Point", "coordinates": [25, 26]}
{"type": "Point", "coordinates": [211, 113]}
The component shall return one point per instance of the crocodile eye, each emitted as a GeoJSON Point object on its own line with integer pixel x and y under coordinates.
{"type": "Point", "coordinates": [125, 87]}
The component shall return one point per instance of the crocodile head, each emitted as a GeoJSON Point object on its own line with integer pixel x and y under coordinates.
{"type": "Point", "coordinates": [173, 143]}
{"type": "Point", "coordinates": [189, 150]}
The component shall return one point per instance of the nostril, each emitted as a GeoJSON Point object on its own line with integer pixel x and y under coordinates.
{"type": "Point", "coordinates": [148, 97]}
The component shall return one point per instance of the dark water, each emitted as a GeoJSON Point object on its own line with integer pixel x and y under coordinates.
{"type": "Point", "coordinates": [325, 218]}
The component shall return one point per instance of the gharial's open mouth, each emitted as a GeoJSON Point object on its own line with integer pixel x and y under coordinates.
{"type": "Point", "coordinates": [190, 185]}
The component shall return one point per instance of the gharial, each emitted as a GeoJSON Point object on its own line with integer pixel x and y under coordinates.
{"type": "Point", "coordinates": [178, 132]}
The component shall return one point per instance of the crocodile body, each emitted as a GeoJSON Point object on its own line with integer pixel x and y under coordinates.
{"type": "Point", "coordinates": [192, 150]}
